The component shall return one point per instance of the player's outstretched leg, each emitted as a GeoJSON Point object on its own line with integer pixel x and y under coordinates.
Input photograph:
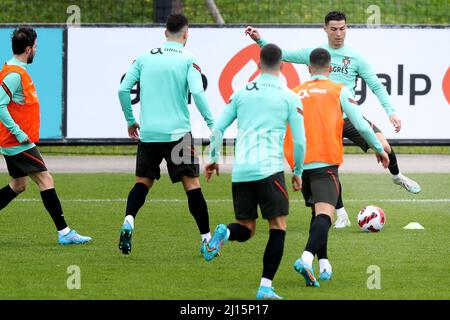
{"type": "Point", "coordinates": [342, 220]}
{"type": "Point", "coordinates": [398, 178]}
{"type": "Point", "coordinates": [65, 234]}
{"type": "Point", "coordinates": [52, 204]}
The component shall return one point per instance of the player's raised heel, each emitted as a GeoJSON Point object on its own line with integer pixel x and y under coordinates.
{"type": "Point", "coordinates": [126, 233]}
{"type": "Point", "coordinates": [307, 273]}
{"type": "Point", "coordinates": [73, 238]}
{"type": "Point", "coordinates": [211, 249]}
{"type": "Point", "coordinates": [267, 293]}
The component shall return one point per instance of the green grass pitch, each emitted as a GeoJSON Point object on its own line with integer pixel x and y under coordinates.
{"type": "Point", "coordinates": [166, 264]}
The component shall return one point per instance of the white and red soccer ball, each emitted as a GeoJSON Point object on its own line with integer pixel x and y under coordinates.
{"type": "Point", "coordinates": [371, 219]}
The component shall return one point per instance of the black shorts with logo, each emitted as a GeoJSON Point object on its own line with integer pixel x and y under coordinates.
{"type": "Point", "coordinates": [352, 134]}
{"type": "Point", "coordinates": [320, 185]}
{"type": "Point", "coordinates": [179, 155]}
{"type": "Point", "coordinates": [24, 163]}
{"type": "Point", "coordinates": [269, 193]}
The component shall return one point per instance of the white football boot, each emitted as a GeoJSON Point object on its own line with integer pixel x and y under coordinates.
{"type": "Point", "coordinates": [342, 220]}
{"type": "Point", "coordinates": [407, 183]}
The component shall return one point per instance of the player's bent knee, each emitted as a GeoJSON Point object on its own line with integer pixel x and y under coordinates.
{"type": "Point", "coordinates": [20, 188]}
{"type": "Point", "coordinates": [240, 231]}
{"type": "Point", "coordinates": [324, 208]}
{"type": "Point", "coordinates": [144, 180]}
{"type": "Point", "coordinates": [328, 215]}
{"type": "Point", "coordinates": [250, 225]}
{"type": "Point", "coordinates": [43, 179]}
{"type": "Point", "coordinates": [19, 185]}
{"type": "Point", "coordinates": [278, 223]}
{"type": "Point", "coordinates": [190, 183]}
{"type": "Point", "coordinates": [47, 180]}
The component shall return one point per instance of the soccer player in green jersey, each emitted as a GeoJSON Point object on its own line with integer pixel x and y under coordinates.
{"type": "Point", "coordinates": [347, 65]}
{"type": "Point", "coordinates": [166, 75]}
{"type": "Point", "coordinates": [262, 109]}
{"type": "Point", "coordinates": [19, 130]}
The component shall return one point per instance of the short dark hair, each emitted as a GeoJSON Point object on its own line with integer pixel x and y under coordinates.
{"type": "Point", "coordinates": [21, 38]}
{"type": "Point", "coordinates": [270, 55]}
{"type": "Point", "coordinates": [336, 16]}
{"type": "Point", "coordinates": [319, 57]}
{"type": "Point", "coordinates": [176, 22]}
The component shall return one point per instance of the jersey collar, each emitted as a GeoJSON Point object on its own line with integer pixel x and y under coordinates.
{"type": "Point", "coordinates": [174, 44]}
{"type": "Point", "coordinates": [269, 77]}
{"type": "Point", "coordinates": [15, 62]}
{"type": "Point", "coordinates": [319, 77]}
{"type": "Point", "coordinates": [333, 49]}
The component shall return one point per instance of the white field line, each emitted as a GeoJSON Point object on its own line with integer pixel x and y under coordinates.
{"type": "Point", "coordinates": [230, 200]}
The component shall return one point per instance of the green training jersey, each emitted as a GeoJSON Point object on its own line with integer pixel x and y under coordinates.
{"type": "Point", "coordinates": [14, 84]}
{"type": "Point", "coordinates": [262, 109]}
{"type": "Point", "coordinates": [347, 65]}
{"type": "Point", "coordinates": [166, 75]}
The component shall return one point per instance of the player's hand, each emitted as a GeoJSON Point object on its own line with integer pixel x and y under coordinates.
{"type": "Point", "coordinates": [253, 33]}
{"type": "Point", "coordinates": [133, 131]}
{"type": "Point", "coordinates": [22, 137]}
{"type": "Point", "coordinates": [209, 170]}
{"type": "Point", "coordinates": [296, 182]}
{"type": "Point", "coordinates": [395, 120]}
{"type": "Point", "coordinates": [383, 158]}
{"type": "Point", "coordinates": [26, 141]}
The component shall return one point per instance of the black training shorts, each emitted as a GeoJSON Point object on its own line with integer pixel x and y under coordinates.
{"type": "Point", "coordinates": [269, 193]}
{"type": "Point", "coordinates": [21, 164]}
{"type": "Point", "coordinates": [179, 155]}
{"type": "Point", "coordinates": [321, 185]}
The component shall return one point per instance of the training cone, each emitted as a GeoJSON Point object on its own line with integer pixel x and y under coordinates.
{"type": "Point", "coordinates": [414, 226]}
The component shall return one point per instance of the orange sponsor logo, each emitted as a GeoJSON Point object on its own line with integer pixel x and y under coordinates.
{"type": "Point", "coordinates": [240, 60]}
{"type": "Point", "coordinates": [446, 85]}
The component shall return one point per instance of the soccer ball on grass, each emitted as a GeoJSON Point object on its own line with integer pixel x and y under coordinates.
{"type": "Point", "coordinates": [371, 219]}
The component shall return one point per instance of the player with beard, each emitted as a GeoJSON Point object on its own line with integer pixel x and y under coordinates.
{"type": "Point", "coordinates": [19, 130]}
